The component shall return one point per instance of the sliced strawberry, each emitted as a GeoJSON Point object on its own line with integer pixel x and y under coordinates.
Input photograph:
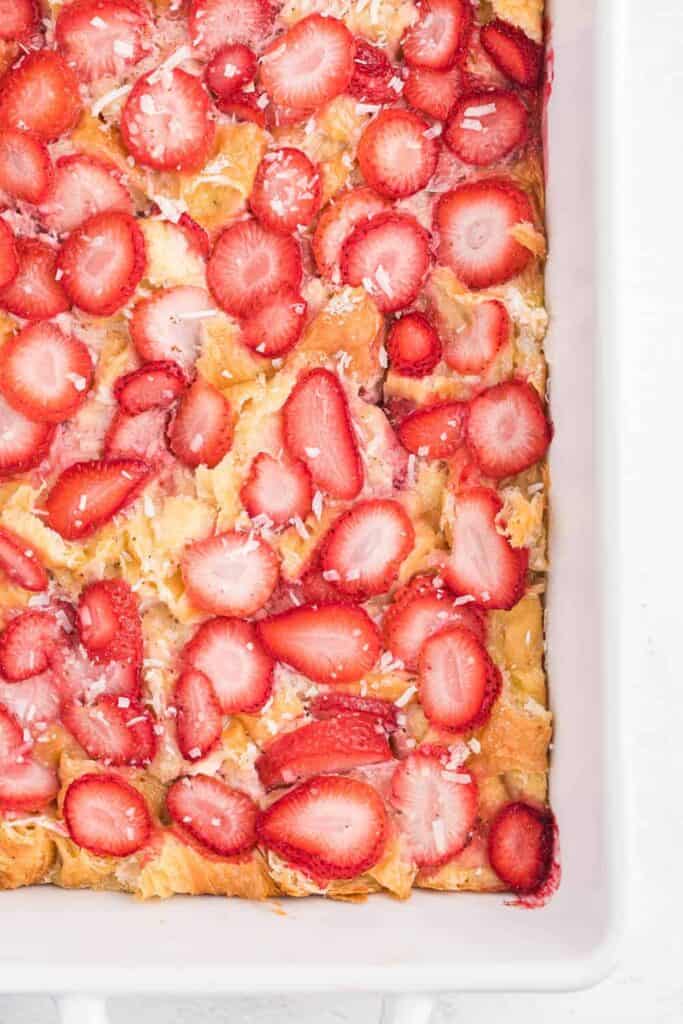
{"type": "Point", "coordinates": [88, 494]}
{"type": "Point", "coordinates": [482, 562]}
{"type": "Point", "coordinates": [438, 806]}
{"type": "Point", "coordinates": [512, 52]}
{"type": "Point", "coordinates": [309, 64]}
{"type": "Point", "coordinates": [101, 37]}
{"type": "Point", "coordinates": [20, 562]}
{"type": "Point", "coordinates": [474, 222]}
{"type": "Point", "coordinates": [23, 443]}
{"type": "Point", "coordinates": [81, 187]}
{"type": "Point", "coordinates": [216, 816]}
{"type": "Point", "coordinates": [111, 730]}
{"type": "Point", "coordinates": [35, 293]}
{"type": "Point", "coordinates": [154, 386]}
{"type": "Point", "coordinates": [367, 545]}
{"type": "Point", "coordinates": [34, 702]}
{"type": "Point", "coordinates": [45, 374]}
{"type": "Point", "coordinates": [199, 716]}
{"type": "Point", "coordinates": [474, 347]}
{"type": "Point", "coordinates": [11, 737]}
{"type": "Point", "coordinates": [213, 23]}
{"type": "Point", "coordinates": [26, 645]}
{"type": "Point", "coordinates": [421, 610]}
{"type": "Point", "coordinates": [275, 325]}
{"type": "Point", "coordinates": [40, 95]}
{"type": "Point", "coordinates": [328, 643]}
{"type": "Point", "coordinates": [18, 18]}
{"type": "Point", "coordinates": [9, 260]}
{"type": "Point", "coordinates": [165, 122]}
{"type": "Point", "coordinates": [102, 262]}
{"type": "Point", "coordinates": [286, 190]}
{"type": "Point", "coordinates": [318, 431]}
{"type": "Point", "coordinates": [433, 92]}
{"type": "Point", "coordinates": [27, 785]}
{"type": "Point", "coordinates": [137, 437]}
{"type": "Point", "coordinates": [440, 35]}
{"type": "Point", "coordinates": [333, 705]}
{"type": "Point", "coordinates": [25, 166]}
{"type": "Point", "coordinates": [507, 428]}
{"type": "Point", "coordinates": [168, 325]}
{"type": "Point", "coordinates": [389, 257]}
{"type": "Point", "coordinates": [197, 238]}
{"type": "Point", "coordinates": [78, 677]}
{"type": "Point", "coordinates": [248, 263]}
{"type": "Point", "coordinates": [231, 656]}
{"type": "Point", "coordinates": [329, 745]}
{"type": "Point", "coordinates": [373, 74]}
{"type": "Point", "coordinates": [201, 430]}
{"type": "Point", "coordinates": [277, 488]}
{"type": "Point", "coordinates": [244, 106]}
{"type": "Point", "coordinates": [330, 827]}
{"type": "Point", "coordinates": [346, 211]}
{"type": "Point", "coordinates": [458, 681]}
{"type": "Point", "coordinates": [413, 346]}
{"type": "Point", "coordinates": [109, 622]}
{"type": "Point", "coordinates": [484, 127]}
{"type": "Point", "coordinates": [106, 815]}
{"type": "Point", "coordinates": [520, 845]}
{"type": "Point", "coordinates": [435, 431]}
{"type": "Point", "coordinates": [230, 69]}
{"type": "Point", "coordinates": [230, 574]}
{"type": "Point", "coordinates": [395, 156]}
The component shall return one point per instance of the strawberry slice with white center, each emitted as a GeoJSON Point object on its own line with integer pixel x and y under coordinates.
{"type": "Point", "coordinates": [18, 18]}
{"type": "Point", "coordinates": [367, 545]}
{"type": "Point", "coordinates": [474, 222]}
{"type": "Point", "coordinates": [512, 52]}
{"type": "Point", "coordinates": [413, 346]}
{"type": "Point", "coordinates": [330, 643]}
{"type": "Point", "coordinates": [472, 349]}
{"type": "Point", "coordinates": [102, 37]}
{"type": "Point", "coordinates": [330, 827]}
{"type": "Point", "coordinates": [27, 785]}
{"type": "Point", "coordinates": [25, 165]}
{"type": "Point", "coordinates": [507, 428]}
{"type": "Point", "coordinates": [23, 443]}
{"type": "Point", "coordinates": [137, 437]}
{"type": "Point", "coordinates": [433, 92]}
{"type": "Point", "coordinates": [9, 260]}
{"type": "Point", "coordinates": [165, 123]}
{"type": "Point", "coordinates": [231, 656]}
{"type": "Point", "coordinates": [520, 846]}
{"type": "Point", "coordinates": [45, 374]}
{"type": "Point", "coordinates": [242, 106]}
{"type": "Point", "coordinates": [337, 221]}
{"type": "Point", "coordinates": [275, 325]}
{"type": "Point", "coordinates": [389, 257]}
{"type": "Point", "coordinates": [102, 262]}
{"type": "Point", "coordinates": [437, 805]}
{"type": "Point", "coordinates": [213, 23]}
{"type": "Point", "coordinates": [485, 127]}
{"type": "Point", "coordinates": [79, 677]}
{"type": "Point", "coordinates": [440, 35]}
{"type": "Point", "coordinates": [35, 293]}
{"type": "Point", "coordinates": [40, 95]}
{"type": "Point", "coordinates": [230, 574]}
{"type": "Point", "coordinates": [373, 75]}
{"type": "Point", "coordinates": [113, 731]}
{"type": "Point", "coordinates": [109, 622]}
{"type": "Point", "coordinates": [27, 644]}
{"type": "Point", "coordinates": [35, 702]}
{"type": "Point", "coordinates": [81, 187]}
{"type": "Point", "coordinates": [329, 745]}
{"type": "Point", "coordinates": [20, 562]}
{"type": "Point", "coordinates": [332, 705]}
{"type": "Point", "coordinates": [248, 263]}
{"type": "Point", "coordinates": [434, 432]}
{"type": "Point", "coordinates": [201, 430]}
{"type": "Point", "coordinates": [458, 681]}
{"type": "Point", "coordinates": [318, 432]}
{"type": "Point", "coordinates": [219, 818]}
{"type": "Point", "coordinates": [154, 386]}
{"type": "Point", "coordinates": [106, 815]}
{"type": "Point", "coordinates": [88, 494]}
{"type": "Point", "coordinates": [310, 64]}
{"type": "Point", "coordinates": [168, 325]}
{"type": "Point", "coordinates": [395, 155]}
{"type": "Point", "coordinates": [11, 736]}
{"type": "Point", "coordinates": [421, 610]}
{"type": "Point", "coordinates": [230, 69]}
{"type": "Point", "coordinates": [286, 190]}
{"type": "Point", "coordinates": [199, 720]}
{"type": "Point", "coordinates": [277, 488]}
{"type": "Point", "coordinates": [483, 563]}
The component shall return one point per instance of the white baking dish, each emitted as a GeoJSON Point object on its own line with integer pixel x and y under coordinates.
{"type": "Point", "coordinates": [100, 943]}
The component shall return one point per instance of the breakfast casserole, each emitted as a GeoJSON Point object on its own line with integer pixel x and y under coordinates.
{"type": "Point", "coordinates": [273, 429]}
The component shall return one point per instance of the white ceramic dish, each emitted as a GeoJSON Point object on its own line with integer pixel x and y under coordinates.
{"type": "Point", "coordinates": [71, 942]}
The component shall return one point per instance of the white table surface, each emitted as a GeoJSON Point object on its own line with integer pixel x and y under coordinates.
{"type": "Point", "coordinates": [647, 986]}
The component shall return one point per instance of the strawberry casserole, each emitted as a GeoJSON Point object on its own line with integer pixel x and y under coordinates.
{"type": "Point", "coordinates": [272, 447]}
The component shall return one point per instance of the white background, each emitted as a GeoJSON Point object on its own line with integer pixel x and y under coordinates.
{"type": "Point", "coordinates": [647, 986]}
